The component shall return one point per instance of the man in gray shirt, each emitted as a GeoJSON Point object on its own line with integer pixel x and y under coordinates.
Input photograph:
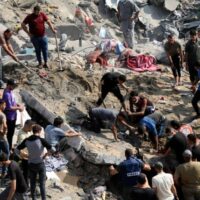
{"type": "Point", "coordinates": [35, 145]}
{"type": "Point", "coordinates": [128, 13]}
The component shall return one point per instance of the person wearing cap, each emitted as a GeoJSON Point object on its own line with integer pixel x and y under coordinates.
{"type": "Point", "coordinates": [187, 175]}
{"type": "Point", "coordinates": [128, 13]}
{"type": "Point", "coordinates": [153, 126]}
{"type": "Point", "coordinates": [36, 22]}
{"type": "Point", "coordinates": [142, 191]}
{"type": "Point", "coordinates": [175, 57]}
{"type": "Point", "coordinates": [110, 82]}
{"type": "Point", "coordinates": [5, 36]}
{"type": "Point", "coordinates": [127, 172]}
{"type": "Point", "coordinates": [11, 109]}
{"type": "Point", "coordinates": [140, 106]}
{"type": "Point", "coordinates": [163, 184]}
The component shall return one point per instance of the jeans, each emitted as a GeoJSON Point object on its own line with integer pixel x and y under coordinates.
{"type": "Point", "coordinates": [11, 131]}
{"type": "Point", "coordinates": [41, 46]}
{"type": "Point", "coordinates": [24, 167]}
{"type": "Point", "coordinates": [39, 169]}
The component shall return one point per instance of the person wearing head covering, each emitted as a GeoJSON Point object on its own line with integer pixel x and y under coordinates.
{"type": "Point", "coordinates": [187, 175]}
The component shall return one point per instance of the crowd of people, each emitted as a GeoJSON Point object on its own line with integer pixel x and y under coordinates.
{"type": "Point", "coordinates": [175, 176]}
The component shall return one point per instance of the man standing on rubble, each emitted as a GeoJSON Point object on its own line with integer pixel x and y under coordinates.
{"type": "Point", "coordinates": [191, 58]}
{"type": "Point", "coordinates": [128, 13]}
{"type": "Point", "coordinates": [36, 22]}
{"type": "Point", "coordinates": [175, 57]}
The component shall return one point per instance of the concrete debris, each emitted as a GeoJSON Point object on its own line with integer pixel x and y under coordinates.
{"type": "Point", "coordinates": [81, 25]}
{"type": "Point", "coordinates": [171, 5]}
{"type": "Point", "coordinates": [27, 3]}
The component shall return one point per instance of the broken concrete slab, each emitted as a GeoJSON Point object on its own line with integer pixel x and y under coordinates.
{"type": "Point", "coordinates": [171, 5]}
{"type": "Point", "coordinates": [75, 142]}
{"type": "Point", "coordinates": [97, 153]}
{"type": "Point", "coordinates": [190, 25]}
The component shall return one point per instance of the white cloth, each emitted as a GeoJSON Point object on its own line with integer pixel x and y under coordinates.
{"type": "Point", "coordinates": [163, 183]}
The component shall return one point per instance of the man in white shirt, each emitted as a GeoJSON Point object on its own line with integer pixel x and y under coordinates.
{"type": "Point", "coordinates": [163, 184]}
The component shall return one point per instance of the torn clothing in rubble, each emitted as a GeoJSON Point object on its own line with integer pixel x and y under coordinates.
{"type": "Point", "coordinates": [55, 163]}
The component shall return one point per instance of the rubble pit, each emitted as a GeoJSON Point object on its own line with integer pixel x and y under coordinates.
{"type": "Point", "coordinates": [68, 94]}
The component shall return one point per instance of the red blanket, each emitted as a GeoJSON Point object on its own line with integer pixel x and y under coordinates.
{"type": "Point", "coordinates": [141, 63]}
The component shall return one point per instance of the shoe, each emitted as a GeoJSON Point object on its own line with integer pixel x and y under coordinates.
{"type": "Point", "coordinates": [39, 66]}
{"type": "Point", "coordinates": [46, 66]}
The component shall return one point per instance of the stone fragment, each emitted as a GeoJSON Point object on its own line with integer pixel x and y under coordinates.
{"type": "Point", "coordinates": [171, 5]}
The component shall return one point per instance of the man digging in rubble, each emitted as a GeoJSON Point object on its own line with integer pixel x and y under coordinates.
{"type": "Point", "coordinates": [128, 13]}
{"type": "Point", "coordinates": [4, 42]}
{"type": "Point", "coordinates": [109, 83]}
{"type": "Point", "coordinates": [36, 22]}
{"type": "Point", "coordinates": [100, 115]}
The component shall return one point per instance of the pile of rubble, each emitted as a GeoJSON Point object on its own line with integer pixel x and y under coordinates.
{"type": "Point", "coordinates": [67, 93]}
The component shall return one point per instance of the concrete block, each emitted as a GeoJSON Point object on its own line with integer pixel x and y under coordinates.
{"type": "Point", "coordinates": [171, 5]}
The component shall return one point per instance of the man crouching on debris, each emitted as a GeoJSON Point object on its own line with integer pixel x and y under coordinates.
{"type": "Point", "coordinates": [36, 32]}
{"type": "Point", "coordinates": [128, 13]}
{"type": "Point", "coordinates": [99, 116]}
{"type": "Point", "coordinates": [125, 176]}
{"type": "Point", "coordinates": [110, 83]}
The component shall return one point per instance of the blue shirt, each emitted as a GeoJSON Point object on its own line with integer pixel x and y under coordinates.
{"type": "Point", "coordinates": [129, 170]}
{"type": "Point", "coordinates": [53, 135]}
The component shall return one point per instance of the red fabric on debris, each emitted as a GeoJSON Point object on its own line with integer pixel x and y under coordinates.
{"type": "Point", "coordinates": [141, 63]}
